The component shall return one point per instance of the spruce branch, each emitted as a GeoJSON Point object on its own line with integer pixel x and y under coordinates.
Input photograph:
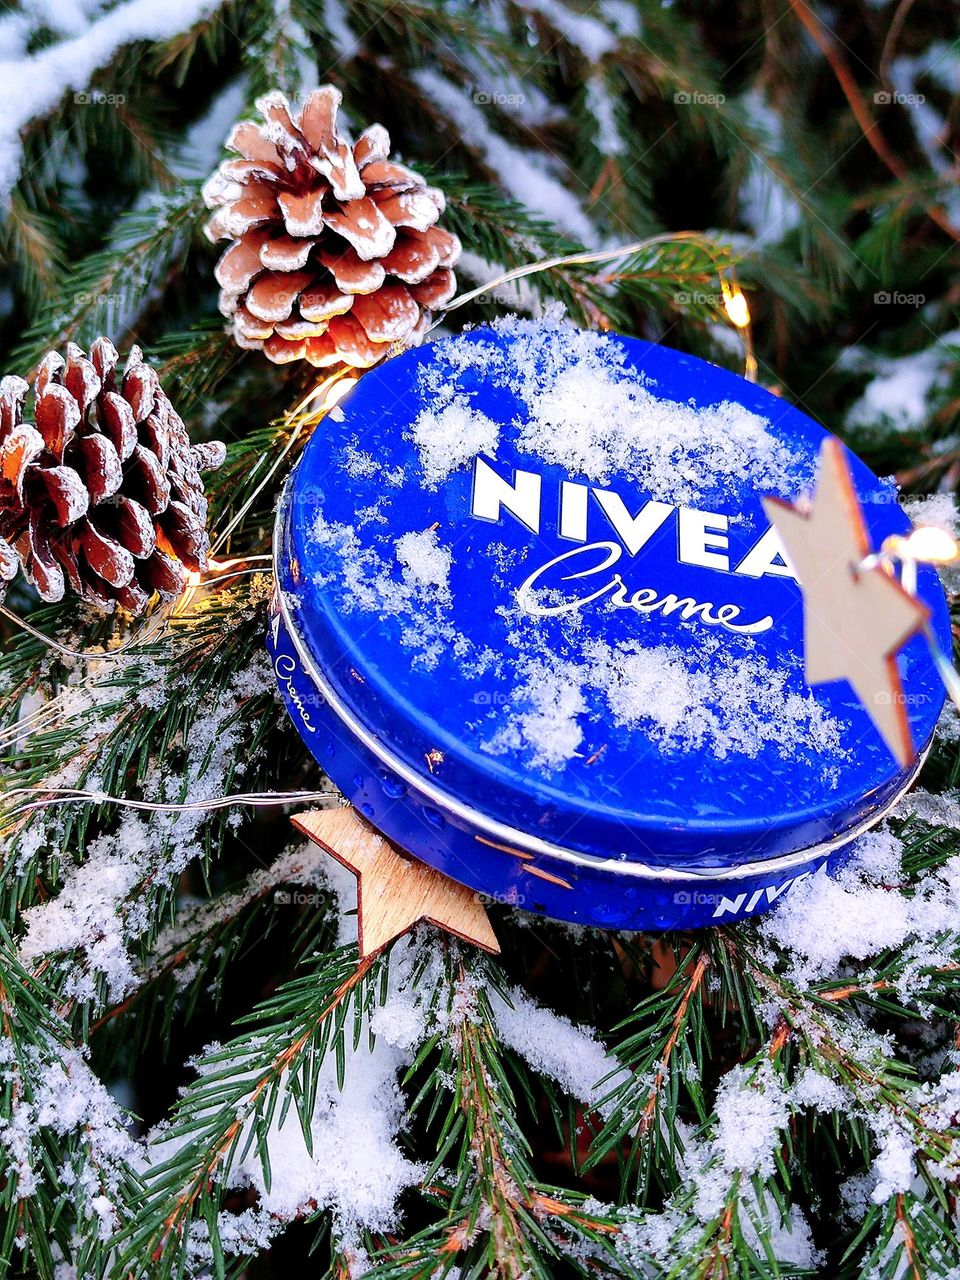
{"type": "Point", "coordinates": [658, 1058]}
{"type": "Point", "coordinates": [280, 50]}
{"type": "Point", "coordinates": [205, 939]}
{"type": "Point", "coordinates": [418, 24]}
{"type": "Point", "coordinates": [56, 1122]}
{"type": "Point", "coordinates": [242, 1089]}
{"type": "Point", "coordinates": [210, 34]}
{"type": "Point", "coordinates": [30, 241]}
{"type": "Point", "coordinates": [107, 288]}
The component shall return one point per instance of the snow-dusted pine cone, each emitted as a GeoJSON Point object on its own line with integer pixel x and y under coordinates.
{"type": "Point", "coordinates": [335, 254]}
{"type": "Point", "coordinates": [102, 493]}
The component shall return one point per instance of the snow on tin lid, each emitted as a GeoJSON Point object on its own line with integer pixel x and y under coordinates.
{"type": "Point", "coordinates": [532, 564]}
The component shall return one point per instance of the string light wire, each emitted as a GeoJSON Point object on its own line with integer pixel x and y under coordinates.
{"type": "Point", "coordinates": [899, 555]}
{"type": "Point", "coordinates": [70, 795]}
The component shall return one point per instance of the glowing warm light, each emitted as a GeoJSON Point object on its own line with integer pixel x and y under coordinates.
{"type": "Point", "coordinates": [214, 567]}
{"type": "Point", "coordinates": [926, 544]}
{"type": "Point", "coordinates": [335, 389]}
{"type": "Point", "coordinates": [434, 757]}
{"type": "Point", "coordinates": [327, 394]}
{"type": "Point", "coordinates": [735, 305]}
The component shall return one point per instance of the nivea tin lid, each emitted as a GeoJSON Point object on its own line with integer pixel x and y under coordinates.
{"type": "Point", "coordinates": [529, 567]}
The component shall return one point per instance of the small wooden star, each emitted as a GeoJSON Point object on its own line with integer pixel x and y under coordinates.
{"type": "Point", "coordinates": [855, 619]}
{"type": "Point", "coordinates": [395, 892]}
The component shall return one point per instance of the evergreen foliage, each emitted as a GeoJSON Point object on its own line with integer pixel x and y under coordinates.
{"type": "Point", "coordinates": [724, 1106]}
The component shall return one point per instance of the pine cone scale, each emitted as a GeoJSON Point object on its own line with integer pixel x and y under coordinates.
{"type": "Point", "coordinates": [9, 561]}
{"type": "Point", "coordinates": [107, 558]}
{"type": "Point", "coordinates": [363, 225]}
{"type": "Point", "coordinates": [118, 424]}
{"type": "Point", "coordinates": [323, 302]}
{"type": "Point", "coordinates": [239, 265]}
{"type": "Point", "coordinates": [101, 467]}
{"type": "Point", "coordinates": [387, 173]}
{"type": "Point", "coordinates": [373, 144]}
{"type": "Point", "coordinates": [65, 491]}
{"type": "Point", "coordinates": [300, 330]}
{"type": "Point", "coordinates": [104, 357]}
{"type": "Point", "coordinates": [164, 574]}
{"type": "Point", "coordinates": [387, 314]}
{"type": "Point", "coordinates": [409, 209]}
{"type": "Point", "coordinates": [134, 528]}
{"type": "Point", "coordinates": [250, 211]}
{"type": "Point", "coordinates": [22, 447]}
{"type": "Point", "coordinates": [302, 214]}
{"type": "Point", "coordinates": [139, 390]}
{"type": "Point", "coordinates": [38, 562]}
{"type": "Point", "coordinates": [57, 416]}
{"type": "Point", "coordinates": [272, 295]}
{"type": "Point", "coordinates": [338, 166]}
{"type": "Point", "coordinates": [412, 261]}
{"type": "Point", "coordinates": [248, 326]}
{"type": "Point", "coordinates": [436, 289]}
{"type": "Point", "coordinates": [252, 171]}
{"type": "Point", "coordinates": [81, 379]}
{"type": "Point", "coordinates": [13, 392]}
{"type": "Point", "coordinates": [148, 480]}
{"type": "Point", "coordinates": [352, 274]}
{"type": "Point", "coordinates": [247, 139]}
{"type": "Point", "coordinates": [155, 436]}
{"type": "Point", "coordinates": [286, 253]}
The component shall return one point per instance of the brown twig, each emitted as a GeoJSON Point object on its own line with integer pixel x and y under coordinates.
{"type": "Point", "coordinates": [881, 984]}
{"type": "Point", "coordinates": [893, 35]}
{"type": "Point", "coordinates": [717, 1262]}
{"type": "Point", "coordinates": [909, 1240]}
{"type": "Point", "coordinates": [868, 126]}
{"type": "Point", "coordinates": [547, 1206]}
{"type": "Point", "coordinates": [679, 1019]}
{"type": "Point", "coordinates": [175, 1219]}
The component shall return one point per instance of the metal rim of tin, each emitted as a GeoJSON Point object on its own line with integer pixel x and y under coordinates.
{"type": "Point", "coordinates": [513, 836]}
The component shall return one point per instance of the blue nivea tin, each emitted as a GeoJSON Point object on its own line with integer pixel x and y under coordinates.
{"type": "Point", "coordinates": [532, 621]}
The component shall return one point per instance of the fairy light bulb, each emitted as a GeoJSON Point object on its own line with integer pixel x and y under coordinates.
{"type": "Point", "coordinates": [738, 313]}
{"type": "Point", "coordinates": [735, 305]}
{"type": "Point", "coordinates": [927, 544]}
{"type": "Point", "coordinates": [334, 389]}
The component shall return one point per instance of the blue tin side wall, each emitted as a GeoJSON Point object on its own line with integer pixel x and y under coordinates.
{"type": "Point", "coordinates": [586, 895]}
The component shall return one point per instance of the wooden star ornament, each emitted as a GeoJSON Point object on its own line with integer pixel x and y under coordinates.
{"type": "Point", "coordinates": [855, 618]}
{"type": "Point", "coordinates": [394, 891]}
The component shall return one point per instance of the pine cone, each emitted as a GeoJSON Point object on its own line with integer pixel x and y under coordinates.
{"type": "Point", "coordinates": [335, 255]}
{"type": "Point", "coordinates": [103, 494]}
